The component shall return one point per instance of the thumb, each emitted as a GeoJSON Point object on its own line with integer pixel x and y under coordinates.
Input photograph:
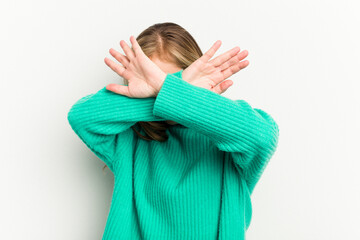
{"type": "Point", "coordinates": [223, 86]}
{"type": "Point", "coordinates": [119, 89]}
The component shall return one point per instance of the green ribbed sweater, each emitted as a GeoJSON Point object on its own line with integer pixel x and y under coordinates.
{"type": "Point", "coordinates": [195, 185]}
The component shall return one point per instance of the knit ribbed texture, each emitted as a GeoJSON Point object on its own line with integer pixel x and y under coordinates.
{"type": "Point", "coordinates": [197, 184]}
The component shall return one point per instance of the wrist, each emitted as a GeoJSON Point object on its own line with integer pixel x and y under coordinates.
{"type": "Point", "coordinates": [160, 81]}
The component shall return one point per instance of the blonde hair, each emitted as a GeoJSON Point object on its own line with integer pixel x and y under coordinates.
{"type": "Point", "coordinates": [171, 43]}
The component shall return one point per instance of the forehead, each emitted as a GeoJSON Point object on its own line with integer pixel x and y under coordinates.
{"type": "Point", "coordinates": [166, 66]}
{"type": "Point", "coordinates": [162, 62]}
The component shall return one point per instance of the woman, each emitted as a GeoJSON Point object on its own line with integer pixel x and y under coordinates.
{"type": "Point", "coordinates": [185, 159]}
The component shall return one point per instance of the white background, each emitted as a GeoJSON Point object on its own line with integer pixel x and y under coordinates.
{"type": "Point", "coordinates": [304, 71]}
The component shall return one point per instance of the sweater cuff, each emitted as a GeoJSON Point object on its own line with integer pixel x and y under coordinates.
{"type": "Point", "coordinates": [233, 125]}
{"type": "Point", "coordinates": [175, 98]}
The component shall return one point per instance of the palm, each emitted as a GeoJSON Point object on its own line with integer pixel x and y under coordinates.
{"type": "Point", "coordinates": [137, 88]}
{"type": "Point", "coordinates": [136, 75]}
{"type": "Point", "coordinates": [204, 74]}
{"type": "Point", "coordinates": [141, 73]}
{"type": "Point", "coordinates": [145, 77]}
{"type": "Point", "coordinates": [211, 74]}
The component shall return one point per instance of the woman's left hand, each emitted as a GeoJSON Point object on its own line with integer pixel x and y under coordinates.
{"type": "Point", "coordinates": [143, 75]}
{"type": "Point", "coordinates": [211, 74]}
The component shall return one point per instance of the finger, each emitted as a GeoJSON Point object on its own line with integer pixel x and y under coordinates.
{"type": "Point", "coordinates": [243, 55]}
{"type": "Point", "coordinates": [219, 60]}
{"type": "Point", "coordinates": [127, 50]}
{"type": "Point", "coordinates": [210, 53]}
{"type": "Point", "coordinates": [119, 89]}
{"type": "Point", "coordinates": [115, 67]}
{"type": "Point", "coordinates": [234, 60]}
{"type": "Point", "coordinates": [120, 57]}
{"type": "Point", "coordinates": [234, 68]}
{"type": "Point", "coordinates": [135, 46]}
{"type": "Point", "coordinates": [223, 86]}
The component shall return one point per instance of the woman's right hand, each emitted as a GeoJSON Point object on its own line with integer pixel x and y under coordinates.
{"type": "Point", "coordinates": [145, 78]}
{"type": "Point", "coordinates": [143, 75]}
{"type": "Point", "coordinates": [212, 74]}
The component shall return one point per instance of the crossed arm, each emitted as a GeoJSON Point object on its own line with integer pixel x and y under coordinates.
{"type": "Point", "coordinates": [103, 120]}
{"type": "Point", "coordinates": [190, 97]}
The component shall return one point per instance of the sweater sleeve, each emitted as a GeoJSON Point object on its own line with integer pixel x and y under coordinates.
{"type": "Point", "coordinates": [101, 121]}
{"type": "Point", "coordinates": [248, 134]}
